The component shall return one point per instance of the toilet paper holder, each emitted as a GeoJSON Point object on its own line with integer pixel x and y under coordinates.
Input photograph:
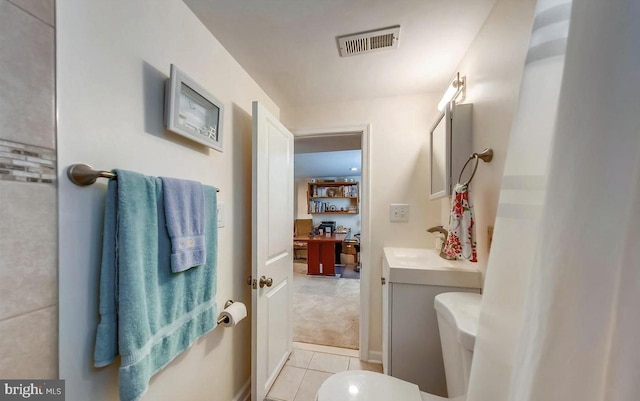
{"type": "Point", "coordinates": [225, 319]}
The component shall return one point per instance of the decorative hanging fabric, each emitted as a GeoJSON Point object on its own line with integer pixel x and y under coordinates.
{"type": "Point", "coordinates": [461, 241]}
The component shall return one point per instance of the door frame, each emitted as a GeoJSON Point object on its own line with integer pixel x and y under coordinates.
{"type": "Point", "coordinates": [365, 220]}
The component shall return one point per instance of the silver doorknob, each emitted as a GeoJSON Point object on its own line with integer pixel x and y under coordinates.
{"type": "Point", "coordinates": [266, 281]}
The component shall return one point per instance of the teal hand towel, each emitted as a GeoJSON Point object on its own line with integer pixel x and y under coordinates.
{"type": "Point", "coordinates": [184, 212]}
{"type": "Point", "coordinates": [148, 315]}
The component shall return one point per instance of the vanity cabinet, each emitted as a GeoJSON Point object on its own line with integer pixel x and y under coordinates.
{"type": "Point", "coordinates": [340, 197]}
{"type": "Point", "coordinates": [451, 144]}
{"type": "Point", "coordinates": [412, 278]}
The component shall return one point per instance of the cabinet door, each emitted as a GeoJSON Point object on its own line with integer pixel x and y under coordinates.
{"type": "Point", "coordinates": [415, 350]}
{"type": "Point", "coordinates": [387, 289]}
{"type": "Point", "coordinates": [450, 139]}
{"type": "Point", "coordinates": [439, 142]}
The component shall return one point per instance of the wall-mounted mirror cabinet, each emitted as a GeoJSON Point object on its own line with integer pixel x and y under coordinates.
{"type": "Point", "coordinates": [451, 144]}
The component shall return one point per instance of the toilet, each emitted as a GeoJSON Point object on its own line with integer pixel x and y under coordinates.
{"type": "Point", "coordinates": [458, 314]}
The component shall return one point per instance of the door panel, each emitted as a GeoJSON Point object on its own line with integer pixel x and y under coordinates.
{"type": "Point", "coordinates": [278, 344]}
{"type": "Point", "coordinates": [280, 204]}
{"type": "Point", "coordinates": [272, 245]}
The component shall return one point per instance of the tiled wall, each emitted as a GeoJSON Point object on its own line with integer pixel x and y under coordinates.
{"type": "Point", "coordinates": [26, 163]}
{"type": "Point", "coordinates": [28, 210]}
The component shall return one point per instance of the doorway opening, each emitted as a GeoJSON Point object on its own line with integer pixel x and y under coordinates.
{"type": "Point", "coordinates": [331, 281]}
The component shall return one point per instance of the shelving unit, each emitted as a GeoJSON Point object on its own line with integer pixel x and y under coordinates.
{"type": "Point", "coordinates": [340, 197]}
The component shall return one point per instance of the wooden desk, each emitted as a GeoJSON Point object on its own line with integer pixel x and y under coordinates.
{"type": "Point", "coordinates": [321, 251]}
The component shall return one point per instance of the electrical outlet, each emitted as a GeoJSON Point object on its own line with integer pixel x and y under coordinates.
{"type": "Point", "coordinates": [220, 214]}
{"type": "Point", "coordinates": [399, 212]}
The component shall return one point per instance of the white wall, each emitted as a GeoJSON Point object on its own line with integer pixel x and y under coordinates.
{"type": "Point", "coordinates": [399, 141]}
{"type": "Point", "coordinates": [399, 173]}
{"type": "Point", "coordinates": [493, 66]}
{"type": "Point", "coordinates": [113, 58]}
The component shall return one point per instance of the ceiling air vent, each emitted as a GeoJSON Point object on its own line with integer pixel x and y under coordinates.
{"type": "Point", "coordinates": [367, 42]}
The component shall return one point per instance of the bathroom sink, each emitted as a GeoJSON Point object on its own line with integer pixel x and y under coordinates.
{"type": "Point", "coordinates": [425, 266]}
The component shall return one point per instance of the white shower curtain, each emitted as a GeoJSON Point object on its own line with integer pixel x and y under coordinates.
{"type": "Point", "coordinates": [561, 308]}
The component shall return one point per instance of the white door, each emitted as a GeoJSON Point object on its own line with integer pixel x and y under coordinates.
{"type": "Point", "coordinates": [272, 245]}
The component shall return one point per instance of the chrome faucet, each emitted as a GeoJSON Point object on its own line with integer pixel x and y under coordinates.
{"type": "Point", "coordinates": [445, 233]}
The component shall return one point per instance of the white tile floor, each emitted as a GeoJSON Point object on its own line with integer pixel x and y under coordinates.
{"type": "Point", "coordinates": [309, 366]}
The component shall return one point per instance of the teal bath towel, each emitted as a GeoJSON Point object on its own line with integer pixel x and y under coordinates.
{"type": "Point", "coordinates": [148, 315]}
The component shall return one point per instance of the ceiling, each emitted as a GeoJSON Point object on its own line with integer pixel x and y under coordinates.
{"type": "Point", "coordinates": [289, 47]}
{"type": "Point", "coordinates": [328, 142]}
{"type": "Point", "coordinates": [328, 155]}
{"type": "Point", "coordinates": [327, 164]}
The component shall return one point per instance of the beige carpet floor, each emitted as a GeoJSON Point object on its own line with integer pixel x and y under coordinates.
{"type": "Point", "coordinates": [325, 309]}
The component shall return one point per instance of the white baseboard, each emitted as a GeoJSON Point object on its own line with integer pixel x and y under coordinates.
{"type": "Point", "coordinates": [375, 356]}
{"type": "Point", "coordinates": [245, 392]}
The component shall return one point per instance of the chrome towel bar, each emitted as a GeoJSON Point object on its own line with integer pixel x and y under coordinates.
{"type": "Point", "coordinates": [83, 175]}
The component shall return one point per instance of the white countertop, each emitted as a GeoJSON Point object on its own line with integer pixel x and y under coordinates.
{"type": "Point", "coordinates": [425, 266]}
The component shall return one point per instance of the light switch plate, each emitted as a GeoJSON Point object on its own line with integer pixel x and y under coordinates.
{"type": "Point", "coordinates": [220, 214]}
{"type": "Point", "coordinates": [399, 212]}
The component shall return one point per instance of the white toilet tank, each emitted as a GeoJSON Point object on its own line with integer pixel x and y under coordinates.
{"type": "Point", "coordinates": [458, 314]}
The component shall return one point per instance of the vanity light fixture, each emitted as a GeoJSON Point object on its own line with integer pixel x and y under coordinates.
{"type": "Point", "coordinates": [457, 88]}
